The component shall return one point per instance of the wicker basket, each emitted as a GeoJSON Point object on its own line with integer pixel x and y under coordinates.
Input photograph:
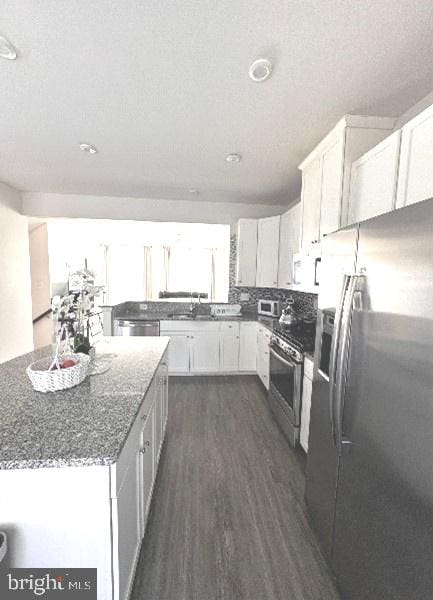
{"type": "Point", "coordinates": [58, 379]}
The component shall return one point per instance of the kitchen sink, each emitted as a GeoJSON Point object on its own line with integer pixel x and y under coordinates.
{"type": "Point", "coordinates": [187, 317]}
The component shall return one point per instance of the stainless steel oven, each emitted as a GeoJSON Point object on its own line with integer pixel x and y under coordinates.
{"type": "Point", "coordinates": [285, 387]}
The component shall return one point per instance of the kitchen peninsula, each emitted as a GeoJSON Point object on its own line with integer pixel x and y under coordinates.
{"type": "Point", "coordinates": [77, 467]}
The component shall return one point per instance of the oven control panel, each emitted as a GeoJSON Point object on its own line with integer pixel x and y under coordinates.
{"type": "Point", "coordinates": [287, 348]}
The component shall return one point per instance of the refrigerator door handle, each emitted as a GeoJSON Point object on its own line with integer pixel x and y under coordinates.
{"type": "Point", "coordinates": [334, 353]}
{"type": "Point", "coordinates": [354, 301]}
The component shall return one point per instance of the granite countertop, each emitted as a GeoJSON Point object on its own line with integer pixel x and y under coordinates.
{"type": "Point", "coordinates": [161, 316]}
{"type": "Point", "coordinates": [84, 425]}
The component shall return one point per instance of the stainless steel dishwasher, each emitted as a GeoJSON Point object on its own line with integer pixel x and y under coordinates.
{"type": "Point", "coordinates": [135, 327]}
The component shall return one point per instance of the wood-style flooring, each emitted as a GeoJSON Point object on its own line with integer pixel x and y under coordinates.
{"type": "Point", "coordinates": [228, 518]}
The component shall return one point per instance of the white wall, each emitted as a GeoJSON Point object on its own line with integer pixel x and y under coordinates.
{"type": "Point", "coordinates": [40, 284]}
{"type": "Point", "coordinates": [107, 207]}
{"type": "Point", "coordinates": [16, 332]}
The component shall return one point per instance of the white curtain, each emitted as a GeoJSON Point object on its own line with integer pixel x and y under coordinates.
{"type": "Point", "coordinates": [148, 274]}
{"type": "Point", "coordinates": [219, 274]}
{"type": "Point", "coordinates": [140, 273]}
{"type": "Point", "coordinates": [125, 270]}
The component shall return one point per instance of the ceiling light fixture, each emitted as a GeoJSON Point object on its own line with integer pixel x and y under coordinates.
{"type": "Point", "coordinates": [6, 49]}
{"type": "Point", "coordinates": [260, 70]}
{"type": "Point", "coordinates": [193, 191]}
{"type": "Point", "coordinates": [88, 148]}
{"type": "Point", "coordinates": [233, 158]}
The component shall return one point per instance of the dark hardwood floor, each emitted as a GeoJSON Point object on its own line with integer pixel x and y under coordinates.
{"type": "Point", "coordinates": [228, 519]}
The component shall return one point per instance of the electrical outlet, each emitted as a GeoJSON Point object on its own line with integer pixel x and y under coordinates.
{"type": "Point", "coordinates": [244, 297]}
{"type": "Point", "coordinates": [143, 306]}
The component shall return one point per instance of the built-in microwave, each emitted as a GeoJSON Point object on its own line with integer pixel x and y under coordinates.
{"type": "Point", "coordinates": [306, 273]}
{"type": "Point", "coordinates": [269, 308]}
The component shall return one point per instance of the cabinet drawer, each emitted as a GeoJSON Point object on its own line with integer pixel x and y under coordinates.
{"type": "Point", "coordinates": [229, 327]}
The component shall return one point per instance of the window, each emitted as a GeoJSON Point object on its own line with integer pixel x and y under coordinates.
{"type": "Point", "coordinates": [137, 261]}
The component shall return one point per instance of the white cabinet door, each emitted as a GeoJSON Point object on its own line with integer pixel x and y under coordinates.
{"type": "Point", "coordinates": [307, 387]}
{"type": "Point", "coordinates": [127, 515]}
{"type": "Point", "coordinates": [157, 434]}
{"type": "Point", "coordinates": [263, 339]}
{"type": "Point", "coordinates": [229, 347]}
{"type": "Point", "coordinates": [147, 465]}
{"type": "Point", "coordinates": [164, 377]}
{"type": "Point", "coordinates": [373, 182]}
{"type": "Point", "coordinates": [289, 245]}
{"type": "Point", "coordinates": [248, 347]}
{"type": "Point", "coordinates": [311, 194]}
{"type": "Point", "coordinates": [332, 187]}
{"type": "Point", "coordinates": [205, 352]}
{"type": "Point", "coordinates": [415, 179]}
{"type": "Point", "coordinates": [178, 352]}
{"type": "Point", "coordinates": [246, 252]}
{"type": "Point", "coordinates": [267, 252]}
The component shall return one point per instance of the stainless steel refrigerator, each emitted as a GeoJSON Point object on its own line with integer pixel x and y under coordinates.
{"type": "Point", "coordinates": [369, 483]}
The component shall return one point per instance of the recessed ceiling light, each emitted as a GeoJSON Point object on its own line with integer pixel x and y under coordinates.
{"type": "Point", "coordinates": [260, 70]}
{"type": "Point", "coordinates": [6, 49]}
{"type": "Point", "coordinates": [88, 148]}
{"type": "Point", "coordinates": [234, 158]}
{"type": "Point", "coordinates": [193, 191]}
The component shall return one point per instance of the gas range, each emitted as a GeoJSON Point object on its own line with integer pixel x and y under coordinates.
{"type": "Point", "coordinates": [294, 340]}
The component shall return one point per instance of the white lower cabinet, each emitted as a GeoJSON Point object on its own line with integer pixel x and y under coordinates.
{"type": "Point", "coordinates": [263, 339]}
{"type": "Point", "coordinates": [205, 352]}
{"type": "Point", "coordinates": [229, 347]}
{"type": "Point", "coordinates": [178, 351]}
{"type": "Point", "coordinates": [248, 347]}
{"type": "Point", "coordinates": [211, 346]}
{"type": "Point", "coordinates": [307, 388]}
{"type": "Point", "coordinates": [150, 441]}
{"type": "Point", "coordinates": [127, 513]}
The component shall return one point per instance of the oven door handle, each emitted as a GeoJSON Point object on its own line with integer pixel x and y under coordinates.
{"type": "Point", "coordinates": [286, 361]}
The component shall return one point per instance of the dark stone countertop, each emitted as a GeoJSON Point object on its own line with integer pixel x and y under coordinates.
{"type": "Point", "coordinates": [84, 425]}
{"type": "Point", "coordinates": [161, 316]}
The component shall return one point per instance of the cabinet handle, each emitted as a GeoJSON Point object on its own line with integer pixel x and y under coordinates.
{"type": "Point", "coordinates": [147, 443]}
{"type": "Point", "coordinates": [142, 450]}
{"type": "Point", "coordinates": [143, 417]}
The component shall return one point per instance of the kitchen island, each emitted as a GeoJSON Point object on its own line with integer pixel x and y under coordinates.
{"type": "Point", "coordinates": [77, 467]}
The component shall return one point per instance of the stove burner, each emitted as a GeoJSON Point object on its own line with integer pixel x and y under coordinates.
{"type": "Point", "coordinates": [300, 337]}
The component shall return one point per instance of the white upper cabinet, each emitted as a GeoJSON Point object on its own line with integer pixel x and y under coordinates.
{"type": "Point", "coordinates": [326, 174]}
{"type": "Point", "coordinates": [289, 244]}
{"type": "Point", "coordinates": [246, 253]}
{"type": "Point", "coordinates": [332, 177]}
{"type": "Point", "coordinates": [415, 180]}
{"type": "Point", "coordinates": [373, 184]}
{"type": "Point", "coordinates": [267, 252]}
{"type": "Point", "coordinates": [311, 195]}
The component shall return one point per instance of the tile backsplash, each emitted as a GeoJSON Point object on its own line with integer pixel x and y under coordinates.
{"type": "Point", "coordinates": [303, 303]}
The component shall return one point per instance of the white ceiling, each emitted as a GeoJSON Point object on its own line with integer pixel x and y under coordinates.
{"type": "Point", "coordinates": [161, 88]}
